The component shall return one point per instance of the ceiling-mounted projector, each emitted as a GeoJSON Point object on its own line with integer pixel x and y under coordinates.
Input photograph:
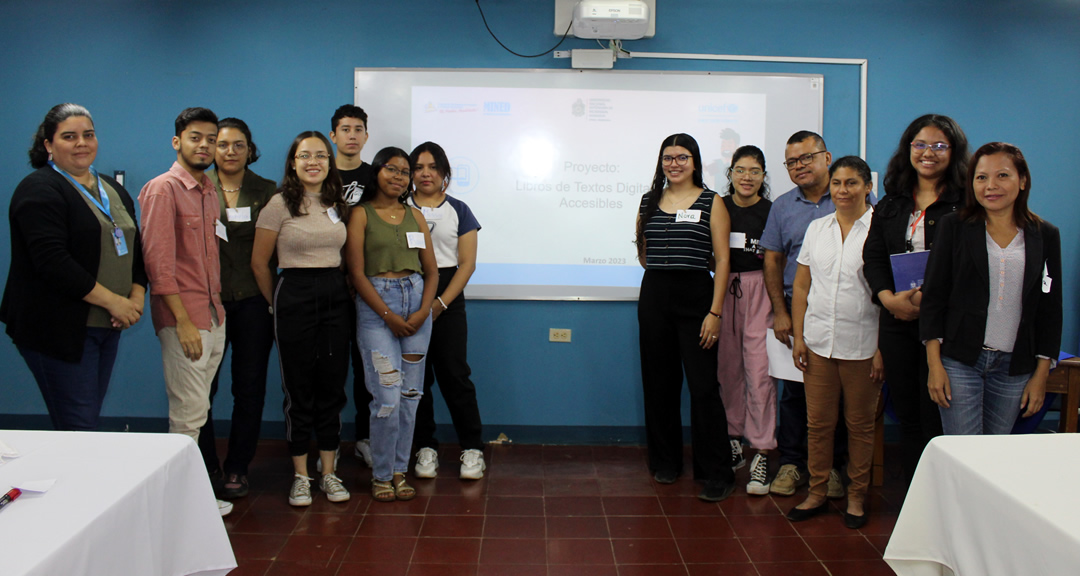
{"type": "Point", "coordinates": [611, 19]}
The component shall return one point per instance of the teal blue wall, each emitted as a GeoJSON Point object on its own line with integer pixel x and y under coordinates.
{"type": "Point", "coordinates": [1005, 70]}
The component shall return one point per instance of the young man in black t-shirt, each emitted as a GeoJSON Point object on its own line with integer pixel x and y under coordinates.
{"type": "Point", "coordinates": [348, 132]}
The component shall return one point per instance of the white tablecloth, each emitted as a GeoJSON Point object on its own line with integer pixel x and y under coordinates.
{"type": "Point", "coordinates": [138, 504]}
{"type": "Point", "coordinates": [989, 505]}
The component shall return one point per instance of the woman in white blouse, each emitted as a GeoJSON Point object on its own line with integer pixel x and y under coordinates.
{"type": "Point", "coordinates": [836, 327]}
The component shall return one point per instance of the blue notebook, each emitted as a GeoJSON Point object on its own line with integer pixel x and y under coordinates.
{"type": "Point", "coordinates": [908, 269]}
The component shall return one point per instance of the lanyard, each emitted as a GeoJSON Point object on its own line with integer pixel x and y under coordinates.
{"type": "Point", "coordinates": [102, 205]}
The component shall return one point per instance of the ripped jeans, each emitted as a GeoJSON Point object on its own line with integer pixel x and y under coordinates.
{"type": "Point", "coordinates": [396, 385]}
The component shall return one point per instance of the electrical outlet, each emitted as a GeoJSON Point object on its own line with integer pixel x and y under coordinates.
{"type": "Point", "coordinates": [558, 334]}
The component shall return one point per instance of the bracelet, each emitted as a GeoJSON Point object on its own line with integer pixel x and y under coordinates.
{"type": "Point", "coordinates": [444, 306]}
{"type": "Point", "coordinates": [714, 313]}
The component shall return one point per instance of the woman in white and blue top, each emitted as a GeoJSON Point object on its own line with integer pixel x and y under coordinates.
{"type": "Point", "coordinates": [681, 229]}
{"type": "Point", "coordinates": [453, 236]}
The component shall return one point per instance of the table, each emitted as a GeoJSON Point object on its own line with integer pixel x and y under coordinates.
{"type": "Point", "coordinates": [123, 503]}
{"type": "Point", "coordinates": [990, 505]}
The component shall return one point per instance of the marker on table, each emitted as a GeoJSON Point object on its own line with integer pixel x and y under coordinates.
{"type": "Point", "coordinates": [9, 497]}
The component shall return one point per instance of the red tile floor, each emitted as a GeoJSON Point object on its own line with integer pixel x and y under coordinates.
{"type": "Point", "coordinates": [545, 511]}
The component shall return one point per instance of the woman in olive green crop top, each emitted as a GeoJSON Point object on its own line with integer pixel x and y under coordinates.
{"type": "Point", "coordinates": [392, 267]}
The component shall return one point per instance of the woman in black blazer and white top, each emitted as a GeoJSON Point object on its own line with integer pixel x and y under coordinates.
{"type": "Point", "coordinates": [924, 181]}
{"type": "Point", "coordinates": [76, 276]}
{"type": "Point", "coordinates": [990, 345]}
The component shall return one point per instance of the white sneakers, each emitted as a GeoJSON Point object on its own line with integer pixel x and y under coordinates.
{"type": "Point", "coordinates": [427, 463]}
{"type": "Point", "coordinates": [472, 464]}
{"type": "Point", "coordinates": [224, 507]}
{"type": "Point", "coordinates": [737, 458]}
{"type": "Point", "coordinates": [300, 493]}
{"type": "Point", "coordinates": [331, 485]}
{"type": "Point", "coordinates": [318, 461]}
{"type": "Point", "coordinates": [363, 452]}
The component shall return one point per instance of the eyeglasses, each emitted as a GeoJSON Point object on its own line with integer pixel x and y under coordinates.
{"type": "Point", "coordinates": [803, 160]}
{"type": "Point", "coordinates": [740, 171]}
{"type": "Point", "coordinates": [394, 172]}
{"type": "Point", "coordinates": [320, 157]}
{"type": "Point", "coordinates": [237, 146]}
{"type": "Point", "coordinates": [681, 160]}
{"type": "Point", "coordinates": [936, 148]}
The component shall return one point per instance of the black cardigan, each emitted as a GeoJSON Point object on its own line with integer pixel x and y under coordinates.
{"type": "Point", "coordinates": [55, 252]}
{"type": "Point", "coordinates": [888, 235]}
{"type": "Point", "coordinates": [956, 293]}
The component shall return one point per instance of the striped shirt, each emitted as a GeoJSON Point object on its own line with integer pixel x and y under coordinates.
{"type": "Point", "coordinates": [1006, 267]}
{"type": "Point", "coordinates": [671, 245]}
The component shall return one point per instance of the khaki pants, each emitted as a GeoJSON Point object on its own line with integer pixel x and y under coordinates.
{"type": "Point", "coordinates": [826, 379]}
{"type": "Point", "coordinates": [187, 382]}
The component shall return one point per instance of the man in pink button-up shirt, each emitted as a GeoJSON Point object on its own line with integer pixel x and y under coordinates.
{"type": "Point", "coordinates": [179, 212]}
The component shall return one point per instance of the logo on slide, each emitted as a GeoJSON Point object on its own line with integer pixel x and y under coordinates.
{"type": "Point", "coordinates": [579, 108]}
{"type": "Point", "coordinates": [465, 175]}
{"type": "Point", "coordinates": [496, 108]}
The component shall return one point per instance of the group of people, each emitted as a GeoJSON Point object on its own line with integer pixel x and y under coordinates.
{"type": "Point", "coordinates": [340, 259]}
{"type": "Point", "coordinates": [344, 259]}
{"type": "Point", "coordinates": [964, 352]}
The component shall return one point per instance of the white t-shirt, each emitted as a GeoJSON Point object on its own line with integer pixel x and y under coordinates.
{"type": "Point", "coordinates": [841, 321]}
{"type": "Point", "coordinates": [447, 222]}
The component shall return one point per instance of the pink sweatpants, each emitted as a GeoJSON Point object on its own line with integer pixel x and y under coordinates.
{"type": "Point", "coordinates": [749, 393]}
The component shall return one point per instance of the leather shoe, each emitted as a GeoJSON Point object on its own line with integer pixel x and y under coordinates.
{"type": "Point", "coordinates": [665, 477]}
{"type": "Point", "coordinates": [800, 515]}
{"type": "Point", "coordinates": [716, 491]}
{"type": "Point", "coordinates": [855, 522]}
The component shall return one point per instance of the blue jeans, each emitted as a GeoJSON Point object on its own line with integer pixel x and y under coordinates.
{"type": "Point", "coordinates": [74, 391]}
{"type": "Point", "coordinates": [985, 398]}
{"type": "Point", "coordinates": [396, 385]}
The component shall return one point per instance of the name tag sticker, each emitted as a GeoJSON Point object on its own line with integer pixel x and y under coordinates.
{"type": "Point", "coordinates": [416, 240]}
{"type": "Point", "coordinates": [238, 214]}
{"type": "Point", "coordinates": [1046, 280]}
{"type": "Point", "coordinates": [688, 216]}
{"type": "Point", "coordinates": [430, 213]}
{"type": "Point", "coordinates": [219, 229]}
{"type": "Point", "coordinates": [737, 240]}
{"type": "Point", "coordinates": [332, 213]}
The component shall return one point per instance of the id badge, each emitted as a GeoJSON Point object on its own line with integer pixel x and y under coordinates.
{"type": "Point", "coordinates": [688, 216]}
{"type": "Point", "coordinates": [415, 240]}
{"type": "Point", "coordinates": [430, 213]}
{"type": "Point", "coordinates": [737, 241]}
{"type": "Point", "coordinates": [333, 214]}
{"type": "Point", "coordinates": [220, 231]}
{"type": "Point", "coordinates": [119, 242]}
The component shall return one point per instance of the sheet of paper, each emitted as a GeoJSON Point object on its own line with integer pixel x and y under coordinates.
{"type": "Point", "coordinates": [781, 364]}
{"type": "Point", "coordinates": [36, 485]}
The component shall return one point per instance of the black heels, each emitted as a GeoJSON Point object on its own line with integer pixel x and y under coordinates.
{"type": "Point", "coordinates": [800, 515]}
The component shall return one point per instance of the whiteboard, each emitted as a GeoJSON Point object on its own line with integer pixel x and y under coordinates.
{"type": "Point", "coordinates": [553, 163]}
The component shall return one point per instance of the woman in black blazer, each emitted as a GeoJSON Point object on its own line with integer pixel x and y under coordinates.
{"type": "Point", "coordinates": [923, 182]}
{"type": "Point", "coordinates": [990, 345]}
{"type": "Point", "coordinates": [76, 276]}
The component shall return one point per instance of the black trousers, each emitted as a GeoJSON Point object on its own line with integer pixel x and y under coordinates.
{"type": "Point", "coordinates": [792, 433]}
{"type": "Point", "coordinates": [447, 364]}
{"type": "Point", "coordinates": [906, 374]}
{"type": "Point", "coordinates": [311, 326]}
{"type": "Point", "coordinates": [361, 396]}
{"type": "Point", "coordinates": [671, 308]}
{"type": "Point", "coordinates": [250, 334]}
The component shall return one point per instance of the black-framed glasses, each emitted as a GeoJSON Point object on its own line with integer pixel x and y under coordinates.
{"type": "Point", "coordinates": [803, 160]}
{"type": "Point", "coordinates": [680, 160]}
{"type": "Point", "coordinates": [394, 172]}
{"type": "Point", "coordinates": [320, 157]}
{"type": "Point", "coordinates": [936, 147]}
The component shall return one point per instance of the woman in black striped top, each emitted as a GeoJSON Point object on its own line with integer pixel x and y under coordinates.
{"type": "Point", "coordinates": [682, 228]}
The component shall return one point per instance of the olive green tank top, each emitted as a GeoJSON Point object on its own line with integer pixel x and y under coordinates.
{"type": "Point", "coordinates": [386, 246]}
